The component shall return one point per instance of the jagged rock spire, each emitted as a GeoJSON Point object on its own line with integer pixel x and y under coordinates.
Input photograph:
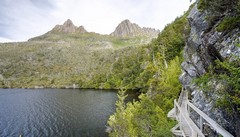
{"type": "Point", "coordinates": [68, 27]}
{"type": "Point", "coordinates": [128, 29]}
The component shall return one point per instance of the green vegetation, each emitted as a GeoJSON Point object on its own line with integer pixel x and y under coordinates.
{"type": "Point", "coordinates": [225, 11]}
{"type": "Point", "coordinates": [62, 60]}
{"type": "Point", "coordinates": [92, 60]}
{"type": "Point", "coordinates": [229, 23]}
{"type": "Point", "coordinates": [171, 39]}
{"type": "Point", "coordinates": [143, 119]}
{"type": "Point", "coordinates": [159, 70]}
{"type": "Point", "coordinates": [147, 117]}
{"type": "Point", "coordinates": [227, 76]}
{"type": "Point", "coordinates": [202, 5]}
{"type": "Point", "coordinates": [237, 45]}
{"type": "Point", "coordinates": [218, 6]}
{"type": "Point", "coordinates": [88, 60]}
{"type": "Point", "coordinates": [223, 77]}
{"type": "Point", "coordinates": [100, 61]}
{"type": "Point", "coordinates": [90, 38]}
{"type": "Point", "coordinates": [231, 75]}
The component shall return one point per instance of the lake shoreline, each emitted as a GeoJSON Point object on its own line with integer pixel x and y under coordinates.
{"type": "Point", "coordinates": [42, 87]}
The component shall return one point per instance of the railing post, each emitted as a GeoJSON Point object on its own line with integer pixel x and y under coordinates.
{"type": "Point", "coordinates": [175, 108]}
{"type": "Point", "coordinates": [180, 122]}
{"type": "Point", "coordinates": [201, 123]}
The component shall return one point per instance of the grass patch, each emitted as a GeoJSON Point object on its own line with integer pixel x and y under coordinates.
{"type": "Point", "coordinates": [228, 24]}
{"type": "Point", "coordinates": [202, 5]}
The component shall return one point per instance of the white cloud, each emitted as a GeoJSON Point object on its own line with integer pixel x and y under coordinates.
{"type": "Point", "coordinates": [5, 40]}
{"type": "Point", "coordinates": [23, 19]}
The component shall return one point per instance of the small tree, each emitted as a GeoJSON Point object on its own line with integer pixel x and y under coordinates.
{"type": "Point", "coordinates": [117, 122]}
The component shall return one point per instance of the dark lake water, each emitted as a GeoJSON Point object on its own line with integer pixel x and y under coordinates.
{"type": "Point", "coordinates": [56, 112]}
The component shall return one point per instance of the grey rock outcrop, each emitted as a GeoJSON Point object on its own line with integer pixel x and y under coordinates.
{"type": "Point", "coordinates": [68, 27]}
{"type": "Point", "coordinates": [203, 46]}
{"type": "Point", "coordinates": [128, 29]}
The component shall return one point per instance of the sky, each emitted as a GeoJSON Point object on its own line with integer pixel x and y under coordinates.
{"type": "Point", "coordinates": [24, 19]}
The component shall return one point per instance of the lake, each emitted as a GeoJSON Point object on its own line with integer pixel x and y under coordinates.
{"type": "Point", "coordinates": [56, 112]}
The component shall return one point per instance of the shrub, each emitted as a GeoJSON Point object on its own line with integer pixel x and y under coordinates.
{"type": "Point", "coordinates": [228, 24]}
{"type": "Point", "coordinates": [228, 73]}
{"type": "Point", "coordinates": [202, 5]}
{"type": "Point", "coordinates": [218, 6]}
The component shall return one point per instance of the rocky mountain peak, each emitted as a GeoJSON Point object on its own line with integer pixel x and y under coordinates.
{"type": "Point", "coordinates": [68, 27]}
{"type": "Point", "coordinates": [126, 23]}
{"type": "Point", "coordinates": [68, 23]}
{"type": "Point", "coordinates": [81, 29]}
{"type": "Point", "coordinates": [128, 29]}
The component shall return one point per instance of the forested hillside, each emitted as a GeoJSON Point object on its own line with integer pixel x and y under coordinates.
{"type": "Point", "coordinates": [200, 49]}
{"type": "Point", "coordinates": [70, 57]}
{"type": "Point", "coordinates": [210, 73]}
{"type": "Point", "coordinates": [147, 117]}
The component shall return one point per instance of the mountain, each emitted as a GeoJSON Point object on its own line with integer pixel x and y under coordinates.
{"type": "Point", "coordinates": [61, 32]}
{"type": "Point", "coordinates": [128, 29]}
{"type": "Point", "coordinates": [68, 55]}
{"type": "Point", "coordinates": [63, 57]}
{"type": "Point", "coordinates": [68, 27]}
{"type": "Point", "coordinates": [131, 32]}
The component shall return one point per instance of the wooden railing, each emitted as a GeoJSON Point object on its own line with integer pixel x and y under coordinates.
{"type": "Point", "coordinates": [210, 121]}
{"type": "Point", "coordinates": [182, 117]}
{"type": "Point", "coordinates": [182, 108]}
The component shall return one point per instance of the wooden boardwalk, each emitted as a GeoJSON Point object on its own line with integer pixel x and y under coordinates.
{"type": "Point", "coordinates": [186, 127]}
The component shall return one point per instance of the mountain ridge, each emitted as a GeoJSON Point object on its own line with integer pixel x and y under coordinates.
{"type": "Point", "coordinates": [68, 27]}
{"type": "Point", "coordinates": [125, 29]}
{"type": "Point", "coordinates": [128, 29]}
{"type": "Point", "coordinates": [66, 56]}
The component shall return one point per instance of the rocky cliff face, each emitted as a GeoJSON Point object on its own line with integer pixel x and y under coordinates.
{"type": "Point", "coordinates": [68, 27]}
{"type": "Point", "coordinates": [128, 29]}
{"type": "Point", "coordinates": [203, 46]}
